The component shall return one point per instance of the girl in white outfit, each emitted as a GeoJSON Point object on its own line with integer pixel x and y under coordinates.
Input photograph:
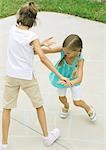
{"type": "Point", "coordinates": [23, 43]}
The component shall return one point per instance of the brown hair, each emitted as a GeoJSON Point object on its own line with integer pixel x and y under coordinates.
{"type": "Point", "coordinates": [72, 42]}
{"type": "Point", "coordinates": [26, 15]}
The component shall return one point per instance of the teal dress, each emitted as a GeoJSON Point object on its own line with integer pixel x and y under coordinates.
{"type": "Point", "coordinates": [64, 69]}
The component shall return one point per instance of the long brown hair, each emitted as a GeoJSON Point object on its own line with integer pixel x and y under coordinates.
{"type": "Point", "coordinates": [72, 42]}
{"type": "Point", "coordinates": [26, 15]}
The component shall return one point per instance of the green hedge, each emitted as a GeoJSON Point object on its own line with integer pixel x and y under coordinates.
{"type": "Point", "coordinates": [83, 8]}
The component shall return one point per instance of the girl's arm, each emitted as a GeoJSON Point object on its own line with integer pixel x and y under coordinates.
{"type": "Point", "coordinates": [47, 62]}
{"type": "Point", "coordinates": [52, 50]}
{"type": "Point", "coordinates": [48, 42]}
{"type": "Point", "coordinates": [45, 46]}
{"type": "Point", "coordinates": [79, 73]}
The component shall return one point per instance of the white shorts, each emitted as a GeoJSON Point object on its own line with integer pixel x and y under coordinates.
{"type": "Point", "coordinates": [75, 91]}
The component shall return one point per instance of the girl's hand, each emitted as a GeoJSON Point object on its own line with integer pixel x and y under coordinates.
{"type": "Point", "coordinates": [48, 42]}
{"type": "Point", "coordinates": [65, 81]}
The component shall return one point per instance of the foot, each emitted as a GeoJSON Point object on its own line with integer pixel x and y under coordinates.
{"type": "Point", "coordinates": [92, 114]}
{"type": "Point", "coordinates": [64, 113]}
{"type": "Point", "coordinates": [3, 147]}
{"type": "Point", "coordinates": [52, 137]}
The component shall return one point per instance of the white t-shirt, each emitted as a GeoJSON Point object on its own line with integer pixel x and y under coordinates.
{"type": "Point", "coordinates": [20, 54]}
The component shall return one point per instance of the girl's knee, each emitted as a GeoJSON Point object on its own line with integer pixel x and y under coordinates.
{"type": "Point", "coordinates": [62, 97]}
{"type": "Point", "coordinates": [78, 102]}
{"type": "Point", "coordinates": [6, 110]}
{"type": "Point", "coordinates": [38, 108]}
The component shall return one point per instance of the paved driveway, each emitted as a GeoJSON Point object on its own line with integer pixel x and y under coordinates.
{"type": "Point", "coordinates": [77, 132]}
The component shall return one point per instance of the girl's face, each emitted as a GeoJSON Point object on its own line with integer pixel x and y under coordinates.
{"type": "Point", "coordinates": [71, 53]}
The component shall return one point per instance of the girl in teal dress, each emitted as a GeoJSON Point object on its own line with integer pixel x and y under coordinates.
{"type": "Point", "coordinates": [70, 65]}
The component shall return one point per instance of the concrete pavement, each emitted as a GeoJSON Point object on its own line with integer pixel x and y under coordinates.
{"type": "Point", "coordinates": [77, 132]}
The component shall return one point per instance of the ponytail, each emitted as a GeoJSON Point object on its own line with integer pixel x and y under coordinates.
{"type": "Point", "coordinates": [60, 63]}
{"type": "Point", "coordinates": [33, 9]}
{"type": "Point", "coordinates": [27, 14]}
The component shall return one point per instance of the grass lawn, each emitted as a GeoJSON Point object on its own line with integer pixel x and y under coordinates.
{"type": "Point", "coordinates": [83, 8]}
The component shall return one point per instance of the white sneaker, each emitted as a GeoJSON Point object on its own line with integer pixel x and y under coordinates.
{"type": "Point", "coordinates": [52, 137]}
{"type": "Point", "coordinates": [3, 146]}
{"type": "Point", "coordinates": [64, 113]}
{"type": "Point", "coordinates": [92, 114]}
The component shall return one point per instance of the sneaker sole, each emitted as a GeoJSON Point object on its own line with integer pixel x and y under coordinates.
{"type": "Point", "coordinates": [64, 115]}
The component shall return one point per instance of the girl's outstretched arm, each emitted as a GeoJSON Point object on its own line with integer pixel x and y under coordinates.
{"type": "Point", "coordinates": [52, 50]}
{"type": "Point", "coordinates": [46, 46]}
{"type": "Point", "coordinates": [47, 42]}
